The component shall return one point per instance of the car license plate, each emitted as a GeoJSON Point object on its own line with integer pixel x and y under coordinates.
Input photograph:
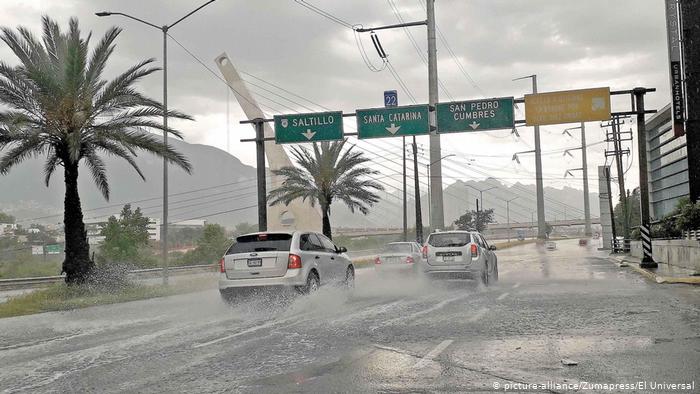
{"type": "Point", "coordinates": [448, 258]}
{"type": "Point", "coordinates": [254, 262]}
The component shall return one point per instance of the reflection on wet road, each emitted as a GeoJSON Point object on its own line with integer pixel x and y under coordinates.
{"type": "Point", "coordinates": [390, 334]}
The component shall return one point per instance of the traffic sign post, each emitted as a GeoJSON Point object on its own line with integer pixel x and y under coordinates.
{"type": "Point", "coordinates": [475, 115]}
{"type": "Point", "coordinates": [569, 106]}
{"type": "Point", "coordinates": [311, 127]}
{"type": "Point", "coordinates": [392, 122]}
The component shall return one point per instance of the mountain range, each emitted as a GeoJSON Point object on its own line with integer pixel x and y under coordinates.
{"type": "Point", "coordinates": [222, 189]}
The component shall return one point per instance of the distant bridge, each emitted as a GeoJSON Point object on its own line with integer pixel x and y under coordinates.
{"type": "Point", "coordinates": [367, 231]}
{"type": "Point", "coordinates": [554, 223]}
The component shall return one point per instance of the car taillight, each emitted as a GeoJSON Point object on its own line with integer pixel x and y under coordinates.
{"type": "Point", "coordinates": [425, 251]}
{"type": "Point", "coordinates": [222, 265]}
{"type": "Point", "coordinates": [294, 262]}
{"type": "Point", "coordinates": [475, 250]}
{"type": "Point", "coordinates": [409, 260]}
{"type": "Point", "coordinates": [377, 260]}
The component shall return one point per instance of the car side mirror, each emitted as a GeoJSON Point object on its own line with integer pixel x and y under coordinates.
{"type": "Point", "coordinates": [492, 247]}
{"type": "Point", "coordinates": [342, 249]}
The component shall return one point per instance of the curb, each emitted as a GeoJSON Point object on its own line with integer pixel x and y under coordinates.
{"type": "Point", "coordinates": [690, 280]}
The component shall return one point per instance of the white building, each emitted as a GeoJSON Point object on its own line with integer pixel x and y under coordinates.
{"type": "Point", "coordinates": [153, 229]}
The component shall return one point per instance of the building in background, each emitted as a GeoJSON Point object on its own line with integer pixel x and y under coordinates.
{"type": "Point", "coordinates": [668, 165]}
{"type": "Point", "coordinates": [154, 226]}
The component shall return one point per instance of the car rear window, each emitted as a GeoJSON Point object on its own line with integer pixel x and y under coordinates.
{"type": "Point", "coordinates": [261, 243]}
{"type": "Point", "coordinates": [398, 248]}
{"type": "Point", "coordinates": [449, 239]}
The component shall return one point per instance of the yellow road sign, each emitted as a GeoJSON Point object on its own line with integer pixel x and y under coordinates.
{"type": "Point", "coordinates": [568, 106]}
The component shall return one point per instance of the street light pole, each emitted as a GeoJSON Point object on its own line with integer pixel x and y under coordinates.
{"type": "Point", "coordinates": [541, 231]}
{"type": "Point", "coordinates": [164, 29]}
{"type": "Point", "coordinates": [584, 169]}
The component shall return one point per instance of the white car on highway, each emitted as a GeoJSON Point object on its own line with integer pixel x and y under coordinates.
{"type": "Point", "coordinates": [460, 254]}
{"type": "Point", "coordinates": [398, 257]}
{"type": "Point", "coordinates": [301, 260]}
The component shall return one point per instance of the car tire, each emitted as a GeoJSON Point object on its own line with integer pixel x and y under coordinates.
{"type": "Point", "coordinates": [494, 273]}
{"type": "Point", "coordinates": [350, 278]}
{"type": "Point", "coordinates": [484, 277]}
{"type": "Point", "coordinates": [312, 284]}
{"type": "Point", "coordinates": [228, 297]}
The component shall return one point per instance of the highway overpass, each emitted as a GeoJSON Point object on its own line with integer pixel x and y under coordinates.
{"type": "Point", "coordinates": [367, 231]}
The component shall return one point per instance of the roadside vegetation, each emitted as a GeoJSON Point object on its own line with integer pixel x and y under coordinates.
{"type": "Point", "coordinates": [326, 174]}
{"type": "Point", "coordinates": [61, 297]}
{"type": "Point", "coordinates": [56, 105]}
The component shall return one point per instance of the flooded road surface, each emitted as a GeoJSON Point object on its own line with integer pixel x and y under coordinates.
{"type": "Point", "coordinates": [550, 308]}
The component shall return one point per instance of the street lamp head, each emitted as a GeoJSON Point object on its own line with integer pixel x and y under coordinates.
{"type": "Point", "coordinates": [103, 13]}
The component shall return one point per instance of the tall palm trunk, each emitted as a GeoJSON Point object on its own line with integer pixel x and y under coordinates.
{"type": "Point", "coordinates": [77, 264]}
{"type": "Point", "coordinates": [326, 208]}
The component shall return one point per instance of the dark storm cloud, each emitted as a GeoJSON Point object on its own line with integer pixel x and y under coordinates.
{"type": "Point", "coordinates": [568, 43]}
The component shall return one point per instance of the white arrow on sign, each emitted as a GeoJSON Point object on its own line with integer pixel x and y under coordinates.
{"type": "Point", "coordinates": [393, 129]}
{"type": "Point", "coordinates": [474, 125]}
{"type": "Point", "coordinates": [309, 134]}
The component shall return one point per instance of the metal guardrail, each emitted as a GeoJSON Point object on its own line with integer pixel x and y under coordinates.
{"type": "Point", "coordinates": [621, 245]}
{"type": "Point", "coordinates": [41, 281]}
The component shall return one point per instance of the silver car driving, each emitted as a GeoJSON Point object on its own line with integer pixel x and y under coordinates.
{"type": "Point", "coordinates": [460, 254]}
{"type": "Point", "coordinates": [301, 260]}
{"type": "Point", "coordinates": [398, 257]}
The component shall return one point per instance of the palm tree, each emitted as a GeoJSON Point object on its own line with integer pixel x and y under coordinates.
{"type": "Point", "coordinates": [58, 105]}
{"type": "Point", "coordinates": [326, 175]}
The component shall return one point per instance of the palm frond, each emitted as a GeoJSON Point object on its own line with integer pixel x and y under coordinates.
{"type": "Point", "coordinates": [55, 102]}
{"type": "Point", "coordinates": [99, 172]}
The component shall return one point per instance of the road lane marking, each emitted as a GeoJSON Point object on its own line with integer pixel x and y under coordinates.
{"type": "Point", "coordinates": [433, 354]}
{"type": "Point", "coordinates": [515, 286]}
{"type": "Point", "coordinates": [246, 331]}
{"type": "Point", "coordinates": [414, 315]}
{"type": "Point", "coordinates": [502, 296]}
{"type": "Point", "coordinates": [478, 315]}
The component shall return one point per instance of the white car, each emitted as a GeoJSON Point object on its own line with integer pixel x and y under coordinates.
{"type": "Point", "coordinates": [460, 254]}
{"type": "Point", "coordinates": [300, 260]}
{"type": "Point", "coordinates": [398, 257]}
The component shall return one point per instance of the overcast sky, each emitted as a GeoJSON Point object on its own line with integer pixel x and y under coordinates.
{"type": "Point", "coordinates": [569, 44]}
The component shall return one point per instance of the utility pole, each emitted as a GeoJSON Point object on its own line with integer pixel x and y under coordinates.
{"type": "Point", "coordinates": [419, 218]}
{"type": "Point", "coordinates": [508, 215]}
{"type": "Point", "coordinates": [648, 259]}
{"type": "Point", "coordinates": [541, 230]}
{"type": "Point", "coordinates": [586, 201]}
{"type": "Point", "coordinates": [405, 211]}
{"type": "Point", "coordinates": [690, 41]}
{"type": "Point", "coordinates": [437, 217]}
{"type": "Point", "coordinates": [164, 29]}
{"type": "Point", "coordinates": [615, 136]}
{"type": "Point", "coordinates": [612, 214]}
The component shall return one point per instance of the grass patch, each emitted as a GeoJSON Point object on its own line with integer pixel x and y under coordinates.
{"type": "Point", "coordinates": [61, 297]}
{"type": "Point", "coordinates": [29, 268]}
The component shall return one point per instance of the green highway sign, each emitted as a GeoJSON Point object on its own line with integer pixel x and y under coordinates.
{"type": "Point", "coordinates": [392, 121]}
{"type": "Point", "coordinates": [53, 249]}
{"type": "Point", "coordinates": [313, 127]}
{"type": "Point", "coordinates": [475, 115]}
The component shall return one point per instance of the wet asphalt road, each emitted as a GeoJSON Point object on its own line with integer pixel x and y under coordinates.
{"type": "Point", "coordinates": [389, 335]}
